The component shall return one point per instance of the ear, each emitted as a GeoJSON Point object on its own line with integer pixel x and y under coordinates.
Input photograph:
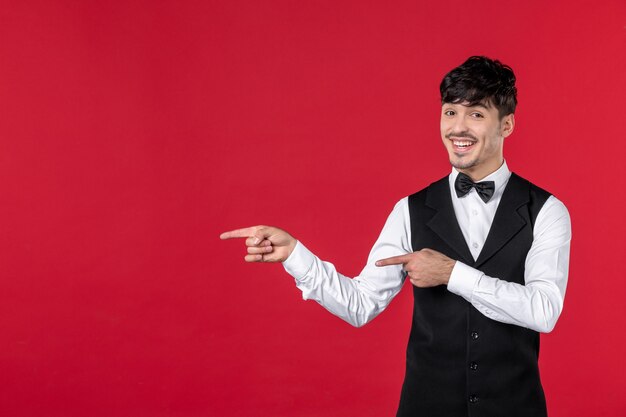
{"type": "Point", "coordinates": [507, 125]}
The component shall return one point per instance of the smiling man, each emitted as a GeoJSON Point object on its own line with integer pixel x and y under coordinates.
{"type": "Point", "coordinates": [487, 253]}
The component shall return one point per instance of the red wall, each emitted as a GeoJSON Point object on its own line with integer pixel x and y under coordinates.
{"type": "Point", "coordinates": [133, 133]}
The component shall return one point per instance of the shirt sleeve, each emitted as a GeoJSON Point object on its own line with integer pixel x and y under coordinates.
{"type": "Point", "coordinates": [362, 298]}
{"type": "Point", "coordinates": [538, 303]}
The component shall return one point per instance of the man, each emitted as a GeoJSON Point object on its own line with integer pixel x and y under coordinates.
{"type": "Point", "coordinates": [487, 253]}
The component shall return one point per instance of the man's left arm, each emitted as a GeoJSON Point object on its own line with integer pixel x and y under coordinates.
{"type": "Point", "coordinates": [537, 304]}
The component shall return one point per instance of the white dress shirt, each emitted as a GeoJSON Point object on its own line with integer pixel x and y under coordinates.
{"type": "Point", "coordinates": [535, 305]}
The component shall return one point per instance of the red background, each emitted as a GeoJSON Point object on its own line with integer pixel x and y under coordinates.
{"type": "Point", "coordinates": [133, 133]}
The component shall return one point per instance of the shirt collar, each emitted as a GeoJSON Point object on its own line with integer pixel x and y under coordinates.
{"type": "Point", "coordinates": [500, 177]}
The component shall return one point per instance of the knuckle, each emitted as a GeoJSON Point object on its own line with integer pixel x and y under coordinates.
{"type": "Point", "coordinates": [418, 283]}
{"type": "Point", "coordinates": [254, 240]}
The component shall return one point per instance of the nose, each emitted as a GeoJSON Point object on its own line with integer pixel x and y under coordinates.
{"type": "Point", "coordinates": [458, 124]}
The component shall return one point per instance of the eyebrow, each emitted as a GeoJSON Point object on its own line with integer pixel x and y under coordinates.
{"type": "Point", "coordinates": [479, 105]}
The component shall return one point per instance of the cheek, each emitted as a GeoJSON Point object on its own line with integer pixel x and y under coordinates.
{"type": "Point", "coordinates": [444, 128]}
{"type": "Point", "coordinates": [493, 144]}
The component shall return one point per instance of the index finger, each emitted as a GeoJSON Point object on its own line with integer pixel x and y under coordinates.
{"type": "Point", "coordinates": [394, 260]}
{"type": "Point", "coordinates": [245, 232]}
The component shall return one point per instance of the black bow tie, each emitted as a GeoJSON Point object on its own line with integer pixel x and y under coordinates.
{"type": "Point", "coordinates": [464, 184]}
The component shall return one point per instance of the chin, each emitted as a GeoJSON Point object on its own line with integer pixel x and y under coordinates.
{"type": "Point", "coordinates": [460, 163]}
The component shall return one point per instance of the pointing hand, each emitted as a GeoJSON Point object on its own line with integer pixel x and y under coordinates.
{"type": "Point", "coordinates": [264, 243]}
{"type": "Point", "coordinates": [425, 268]}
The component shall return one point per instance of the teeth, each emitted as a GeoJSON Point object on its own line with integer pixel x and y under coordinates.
{"type": "Point", "coordinates": [462, 144]}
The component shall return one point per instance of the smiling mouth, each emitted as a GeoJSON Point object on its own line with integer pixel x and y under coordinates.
{"type": "Point", "coordinates": [462, 145]}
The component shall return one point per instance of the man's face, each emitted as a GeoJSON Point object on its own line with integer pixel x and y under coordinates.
{"type": "Point", "coordinates": [474, 137]}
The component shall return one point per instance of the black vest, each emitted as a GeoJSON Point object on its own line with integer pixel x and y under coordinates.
{"type": "Point", "coordinates": [460, 362]}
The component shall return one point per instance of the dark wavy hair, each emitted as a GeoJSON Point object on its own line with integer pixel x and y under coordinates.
{"type": "Point", "coordinates": [481, 80]}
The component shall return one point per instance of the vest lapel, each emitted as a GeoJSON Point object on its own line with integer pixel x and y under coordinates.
{"type": "Point", "coordinates": [507, 221]}
{"type": "Point", "coordinates": [444, 223]}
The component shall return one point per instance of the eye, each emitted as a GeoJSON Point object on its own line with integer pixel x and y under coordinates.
{"type": "Point", "coordinates": [477, 115]}
{"type": "Point", "coordinates": [449, 113]}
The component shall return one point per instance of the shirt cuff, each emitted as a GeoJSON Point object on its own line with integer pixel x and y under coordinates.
{"type": "Point", "coordinates": [463, 280]}
{"type": "Point", "coordinates": [299, 262]}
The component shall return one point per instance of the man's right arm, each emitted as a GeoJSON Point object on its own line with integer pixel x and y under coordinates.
{"type": "Point", "coordinates": [357, 300]}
